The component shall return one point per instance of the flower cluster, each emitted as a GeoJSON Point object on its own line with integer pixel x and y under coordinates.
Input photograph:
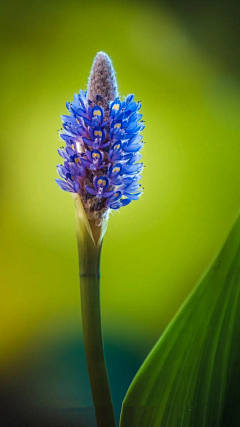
{"type": "Point", "coordinates": [101, 156]}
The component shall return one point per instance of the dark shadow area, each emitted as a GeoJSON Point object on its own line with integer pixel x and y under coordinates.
{"type": "Point", "coordinates": [51, 389]}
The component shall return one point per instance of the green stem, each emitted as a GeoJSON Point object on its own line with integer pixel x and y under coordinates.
{"type": "Point", "coordinates": [89, 271]}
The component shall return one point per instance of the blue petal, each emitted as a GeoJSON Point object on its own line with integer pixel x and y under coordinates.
{"type": "Point", "coordinates": [98, 153]}
{"type": "Point", "coordinates": [82, 94]}
{"type": "Point", "coordinates": [108, 193]}
{"type": "Point", "coordinates": [90, 112]}
{"type": "Point", "coordinates": [87, 121]}
{"type": "Point", "coordinates": [115, 108]}
{"type": "Point", "coordinates": [99, 133]}
{"type": "Point", "coordinates": [139, 105]}
{"type": "Point", "coordinates": [88, 142]}
{"type": "Point", "coordinates": [97, 184]}
{"type": "Point", "coordinates": [129, 98]}
{"type": "Point", "coordinates": [131, 188]}
{"type": "Point", "coordinates": [104, 124]}
{"type": "Point", "coordinates": [135, 158]}
{"type": "Point", "coordinates": [97, 112]}
{"type": "Point", "coordinates": [131, 108]}
{"type": "Point", "coordinates": [64, 185]}
{"type": "Point", "coordinates": [125, 202]}
{"type": "Point", "coordinates": [91, 190]}
{"type": "Point", "coordinates": [63, 153]}
{"type": "Point", "coordinates": [133, 196]}
{"type": "Point", "coordinates": [135, 139]}
{"type": "Point", "coordinates": [65, 137]}
{"type": "Point", "coordinates": [79, 112]}
{"type": "Point", "coordinates": [114, 206]}
{"type": "Point", "coordinates": [81, 131]}
{"type": "Point", "coordinates": [133, 148]}
{"type": "Point", "coordinates": [70, 151]}
{"type": "Point", "coordinates": [131, 179]}
{"type": "Point", "coordinates": [82, 99]}
{"type": "Point", "coordinates": [105, 144]}
{"type": "Point", "coordinates": [62, 171]}
{"type": "Point", "coordinates": [67, 119]}
{"type": "Point", "coordinates": [76, 99]}
{"type": "Point", "coordinates": [135, 117]}
{"type": "Point", "coordinates": [116, 196]}
{"type": "Point", "coordinates": [116, 146]}
{"type": "Point", "coordinates": [73, 168]}
{"type": "Point", "coordinates": [85, 163]}
{"type": "Point", "coordinates": [115, 170]}
{"type": "Point", "coordinates": [76, 187]}
{"type": "Point", "coordinates": [90, 131]}
{"type": "Point", "coordinates": [133, 127]}
{"type": "Point", "coordinates": [88, 155]}
{"type": "Point", "coordinates": [133, 168]}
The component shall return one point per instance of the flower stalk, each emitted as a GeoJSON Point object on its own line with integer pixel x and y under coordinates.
{"type": "Point", "coordinates": [101, 169]}
{"type": "Point", "coordinates": [89, 251]}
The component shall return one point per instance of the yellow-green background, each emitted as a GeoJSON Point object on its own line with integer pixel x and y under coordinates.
{"type": "Point", "coordinates": [181, 62]}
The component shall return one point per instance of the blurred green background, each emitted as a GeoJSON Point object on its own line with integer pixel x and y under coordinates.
{"type": "Point", "coordinates": [181, 60]}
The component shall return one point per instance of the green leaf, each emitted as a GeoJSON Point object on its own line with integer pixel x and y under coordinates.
{"type": "Point", "coordinates": [192, 375]}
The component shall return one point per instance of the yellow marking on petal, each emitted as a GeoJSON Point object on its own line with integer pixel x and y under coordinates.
{"type": "Point", "coordinates": [77, 121]}
{"type": "Point", "coordinates": [72, 178]}
{"type": "Point", "coordinates": [116, 107]}
{"type": "Point", "coordinates": [96, 155]}
{"type": "Point", "coordinates": [73, 146]}
{"type": "Point", "coordinates": [116, 169]}
{"type": "Point", "coordinates": [100, 181]}
{"type": "Point", "coordinates": [117, 125]}
{"type": "Point", "coordinates": [97, 113]}
{"type": "Point", "coordinates": [116, 194]}
{"type": "Point", "coordinates": [97, 132]}
{"type": "Point", "coordinates": [103, 182]}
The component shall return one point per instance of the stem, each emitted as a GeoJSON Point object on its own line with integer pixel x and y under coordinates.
{"type": "Point", "coordinates": [89, 271]}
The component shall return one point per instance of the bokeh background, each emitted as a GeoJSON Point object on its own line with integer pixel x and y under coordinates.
{"type": "Point", "coordinates": [181, 59]}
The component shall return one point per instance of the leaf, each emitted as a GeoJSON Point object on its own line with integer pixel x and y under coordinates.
{"type": "Point", "coordinates": [192, 375]}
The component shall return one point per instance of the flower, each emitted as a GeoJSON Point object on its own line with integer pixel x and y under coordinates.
{"type": "Point", "coordinates": [103, 141]}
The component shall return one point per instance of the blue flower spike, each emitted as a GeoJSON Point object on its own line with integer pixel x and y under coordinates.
{"type": "Point", "coordinates": [102, 144]}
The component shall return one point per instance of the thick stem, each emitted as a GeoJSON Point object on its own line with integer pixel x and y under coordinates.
{"type": "Point", "coordinates": [89, 270]}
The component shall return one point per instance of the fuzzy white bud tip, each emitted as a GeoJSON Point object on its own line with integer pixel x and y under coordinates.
{"type": "Point", "coordinates": [102, 84]}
